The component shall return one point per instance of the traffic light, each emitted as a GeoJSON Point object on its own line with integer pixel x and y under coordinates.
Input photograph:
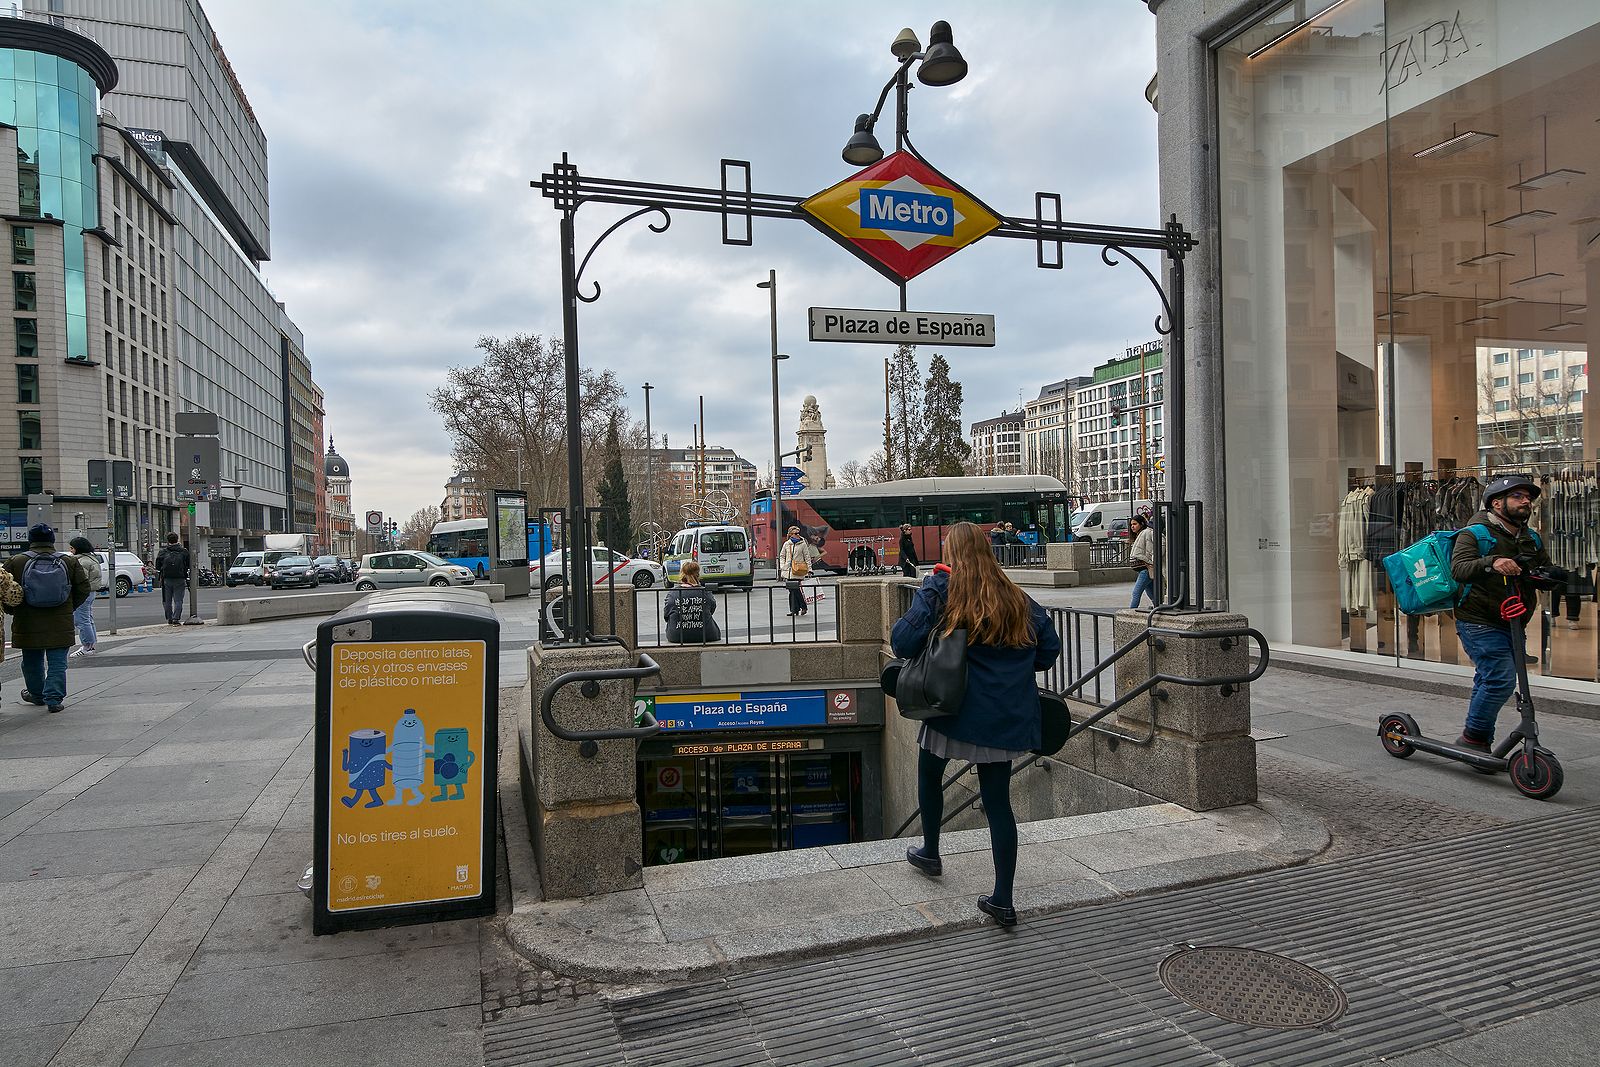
{"type": "Point", "coordinates": [1116, 416]}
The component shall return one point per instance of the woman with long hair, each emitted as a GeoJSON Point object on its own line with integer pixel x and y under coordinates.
{"type": "Point", "coordinates": [1009, 640]}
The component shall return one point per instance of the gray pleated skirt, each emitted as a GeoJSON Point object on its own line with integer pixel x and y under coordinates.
{"type": "Point", "coordinates": [949, 748]}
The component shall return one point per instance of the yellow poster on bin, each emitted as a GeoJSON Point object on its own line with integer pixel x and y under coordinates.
{"type": "Point", "coordinates": [405, 804]}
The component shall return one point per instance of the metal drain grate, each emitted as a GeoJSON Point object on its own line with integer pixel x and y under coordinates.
{"type": "Point", "coordinates": [1256, 988]}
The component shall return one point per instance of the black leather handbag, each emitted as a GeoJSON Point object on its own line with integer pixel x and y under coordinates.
{"type": "Point", "coordinates": [1055, 723]}
{"type": "Point", "coordinates": [932, 683]}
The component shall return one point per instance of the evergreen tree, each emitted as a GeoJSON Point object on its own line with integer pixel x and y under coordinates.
{"type": "Point", "coordinates": [942, 448]}
{"type": "Point", "coordinates": [905, 406]}
{"type": "Point", "coordinates": [616, 518]}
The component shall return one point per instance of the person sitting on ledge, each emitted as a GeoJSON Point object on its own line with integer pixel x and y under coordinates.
{"type": "Point", "coordinates": [690, 608]}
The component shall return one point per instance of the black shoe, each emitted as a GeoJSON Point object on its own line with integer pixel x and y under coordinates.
{"type": "Point", "coordinates": [1003, 914]}
{"type": "Point", "coordinates": [932, 866]}
{"type": "Point", "coordinates": [53, 708]}
{"type": "Point", "coordinates": [1464, 741]}
{"type": "Point", "coordinates": [29, 698]}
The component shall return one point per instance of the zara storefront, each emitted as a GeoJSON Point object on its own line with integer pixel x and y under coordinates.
{"type": "Point", "coordinates": [1398, 203]}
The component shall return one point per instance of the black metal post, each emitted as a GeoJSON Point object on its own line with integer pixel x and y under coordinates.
{"type": "Point", "coordinates": [1176, 415]}
{"type": "Point", "coordinates": [577, 534]}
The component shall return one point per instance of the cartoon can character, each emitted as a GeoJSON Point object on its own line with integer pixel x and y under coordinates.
{"type": "Point", "coordinates": [408, 753]}
{"type": "Point", "coordinates": [363, 762]}
{"type": "Point", "coordinates": [451, 757]}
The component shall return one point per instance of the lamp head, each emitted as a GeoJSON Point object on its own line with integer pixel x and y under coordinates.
{"type": "Point", "coordinates": [905, 44]}
{"type": "Point", "coordinates": [862, 150]}
{"type": "Point", "coordinates": [943, 64]}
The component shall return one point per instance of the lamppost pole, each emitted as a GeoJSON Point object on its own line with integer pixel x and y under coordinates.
{"type": "Point", "coordinates": [771, 285]}
{"type": "Point", "coordinates": [649, 468]}
{"type": "Point", "coordinates": [578, 531]}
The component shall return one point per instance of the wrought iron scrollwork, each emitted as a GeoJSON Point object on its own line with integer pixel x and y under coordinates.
{"type": "Point", "coordinates": [1163, 320]}
{"type": "Point", "coordinates": [577, 281]}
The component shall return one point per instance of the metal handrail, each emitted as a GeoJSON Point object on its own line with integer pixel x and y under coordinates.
{"type": "Point", "coordinates": [646, 668]}
{"type": "Point", "coordinates": [1146, 686]}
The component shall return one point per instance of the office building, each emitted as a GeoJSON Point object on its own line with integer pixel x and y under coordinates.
{"type": "Point", "coordinates": [997, 443]}
{"type": "Point", "coordinates": [1046, 440]}
{"type": "Point", "coordinates": [1115, 427]}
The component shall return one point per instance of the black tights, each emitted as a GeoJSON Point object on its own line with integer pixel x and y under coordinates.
{"type": "Point", "coordinates": [994, 786]}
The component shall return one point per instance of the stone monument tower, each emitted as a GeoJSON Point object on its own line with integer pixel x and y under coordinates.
{"type": "Point", "coordinates": [811, 433]}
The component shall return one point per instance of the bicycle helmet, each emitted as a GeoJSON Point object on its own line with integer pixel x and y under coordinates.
{"type": "Point", "coordinates": [1505, 483]}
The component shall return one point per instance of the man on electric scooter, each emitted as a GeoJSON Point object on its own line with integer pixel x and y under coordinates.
{"type": "Point", "coordinates": [1505, 570]}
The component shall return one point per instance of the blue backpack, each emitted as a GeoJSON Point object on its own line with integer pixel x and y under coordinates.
{"type": "Point", "coordinates": [45, 581]}
{"type": "Point", "coordinates": [1420, 573]}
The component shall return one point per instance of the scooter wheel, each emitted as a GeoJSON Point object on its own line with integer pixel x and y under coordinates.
{"type": "Point", "coordinates": [1538, 777]}
{"type": "Point", "coordinates": [1392, 728]}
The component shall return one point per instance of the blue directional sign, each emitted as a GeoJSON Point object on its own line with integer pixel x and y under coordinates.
{"type": "Point", "coordinates": [791, 473]}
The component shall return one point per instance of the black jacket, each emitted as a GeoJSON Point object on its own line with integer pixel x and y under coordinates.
{"type": "Point", "coordinates": [178, 557]}
{"type": "Point", "coordinates": [1490, 589]}
{"type": "Point", "coordinates": [908, 550]}
{"type": "Point", "coordinates": [689, 612]}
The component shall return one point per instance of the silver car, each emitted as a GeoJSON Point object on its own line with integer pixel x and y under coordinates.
{"type": "Point", "coordinates": [389, 570]}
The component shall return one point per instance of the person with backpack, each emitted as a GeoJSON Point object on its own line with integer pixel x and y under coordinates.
{"type": "Point", "coordinates": [1491, 557]}
{"type": "Point", "coordinates": [83, 614]}
{"type": "Point", "coordinates": [52, 588]}
{"type": "Point", "coordinates": [172, 563]}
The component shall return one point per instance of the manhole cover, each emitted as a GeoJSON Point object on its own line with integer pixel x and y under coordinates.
{"type": "Point", "coordinates": [1250, 987]}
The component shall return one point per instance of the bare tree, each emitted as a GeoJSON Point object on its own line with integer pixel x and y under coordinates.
{"type": "Point", "coordinates": [853, 473]}
{"type": "Point", "coordinates": [414, 531]}
{"type": "Point", "coordinates": [506, 416]}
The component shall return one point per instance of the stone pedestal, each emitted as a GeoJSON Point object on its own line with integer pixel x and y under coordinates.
{"type": "Point", "coordinates": [1202, 756]}
{"type": "Point", "coordinates": [583, 813]}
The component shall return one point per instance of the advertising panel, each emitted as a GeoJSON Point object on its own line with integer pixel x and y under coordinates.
{"type": "Point", "coordinates": [511, 526]}
{"type": "Point", "coordinates": [405, 810]}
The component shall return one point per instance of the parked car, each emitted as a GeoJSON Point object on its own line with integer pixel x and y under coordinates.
{"type": "Point", "coordinates": [389, 570]}
{"type": "Point", "coordinates": [331, 569]}
{"type": "Point", "coordinates": [131, 571]}
{"type": "Point", "coordinates": [550, 571]}
{"type": "Point", "coordinates": [246, 570]}
{"type": "Point", "coordinates": [290, 572]}
{"type": "Point", "coordinates": [1120, 528]}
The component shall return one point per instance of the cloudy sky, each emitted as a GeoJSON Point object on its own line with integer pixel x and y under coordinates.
{"type": "Point", "coordinates": [403, 136]}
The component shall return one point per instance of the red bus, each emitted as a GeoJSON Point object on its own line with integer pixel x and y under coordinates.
{"type": "Point", "coordinates": [843, 519]}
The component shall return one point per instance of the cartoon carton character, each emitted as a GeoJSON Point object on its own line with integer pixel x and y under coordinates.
{"type": "Point", "coordinates": [364, 764]}
{"type": "Point", "coordinates": [452, 755]}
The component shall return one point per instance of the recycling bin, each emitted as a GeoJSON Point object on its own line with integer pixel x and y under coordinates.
{"type": "Point", "coordinates": [406, 742]}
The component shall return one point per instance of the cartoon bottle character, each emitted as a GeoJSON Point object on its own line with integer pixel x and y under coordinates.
{"type": "Point", "coordinates": [363, 761]}
{"type": "Point", "coordinates": [451, 757]}
{"type": "Point", "coordinates": [408, 753]}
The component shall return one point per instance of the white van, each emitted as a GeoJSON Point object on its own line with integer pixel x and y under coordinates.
{"type": "Point", "coordinates": [1093, 522]}
{"type": "Point", "coordinates": [723, 553]}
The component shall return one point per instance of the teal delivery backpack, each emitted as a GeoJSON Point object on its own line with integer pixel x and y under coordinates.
{"type": "Point", "coordinates": [1420, 574]}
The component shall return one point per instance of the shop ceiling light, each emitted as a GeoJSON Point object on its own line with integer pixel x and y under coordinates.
{"type": "Point", "coordinates": [1477, 319]}
{"type": "Point", "coordinates": [1536, 276]}
{"type": "Point", "coordinates": [1548, 179]}
{"type": "Point", "coordinates": [1523, 218]}
{"type": "Point", "coordinates": [1504, 300]}
{"type": "Point", "coordinates": [1292, 30]}
{"type": "Point", "coordinates": [1456, 142]}
{"type": "Point", "coordinates": [1486, 256]}
{"type": "Point", "coordinates": [1415, 293]}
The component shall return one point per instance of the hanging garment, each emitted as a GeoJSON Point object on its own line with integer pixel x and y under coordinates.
{"type": "Point", "coordinates": [1355, 570]}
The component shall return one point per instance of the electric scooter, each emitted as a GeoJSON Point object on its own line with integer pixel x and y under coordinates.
{"type": "Point", "coordinates": [1535, 771]}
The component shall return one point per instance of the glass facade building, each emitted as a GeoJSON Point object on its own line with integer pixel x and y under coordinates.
{"type": "Point", "coordinates": [54, 105]}
{"type": "Point", "coordinates": [1401, 199]}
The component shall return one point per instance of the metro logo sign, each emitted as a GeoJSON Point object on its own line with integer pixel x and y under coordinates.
{"type": "Point", "coordinates": [900, 216]}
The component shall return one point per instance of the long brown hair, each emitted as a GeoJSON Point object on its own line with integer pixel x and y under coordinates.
{"type": "Point", "coordinates": [983, 601]}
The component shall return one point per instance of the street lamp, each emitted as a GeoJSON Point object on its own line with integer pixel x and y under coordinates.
{"type": "Point", "coordinates": [649, 468]}
{"type": "Point", "coordinates": [771, 285]}
{"type": "Point", "coordinates": [941, 65]}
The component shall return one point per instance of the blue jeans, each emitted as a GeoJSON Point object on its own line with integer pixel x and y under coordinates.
{"type": "Point", "coordinates": [44, 672]}
{"type": "Point", "coordinates": [83, 619]}
{"type": "Point", "coordinates": [1143, 583]}
{"type": "Point", "coordinates": [1494, 677]}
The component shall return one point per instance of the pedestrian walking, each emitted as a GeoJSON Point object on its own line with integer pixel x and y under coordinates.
{"type": "Point", "coordinates": [1009, 639]}
{"type": "Point", "coordinates": [908, 552]}
{"type": "Point", "coordinates": [796, 560]}
{"type": "Point", "coordinates": [1142, 558]}
{"type": "Point", "coordinates": [83, 614]}
{"type": "Point", "coordinates": [172, 564]}
{"type": "Point", "coordinates": [690, 609]}
{"type": "Point", "coordinates": [10, 597]}
{"type": "Point", "coordinates": [52, 587]}
{"type": "Point", "coordinates": [1494, 577]}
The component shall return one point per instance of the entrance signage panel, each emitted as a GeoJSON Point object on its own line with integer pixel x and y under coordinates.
{"type": "Point", "coordinates": [405, 809]}
{"type": "Point", "coordinates": [748, 711]}
{"type": "Point", "coordinates": [740, 748]}
{"type": "Point", "coordinates": [900, 216]}
{"type": "Point", "coordinates": [873, 326]}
